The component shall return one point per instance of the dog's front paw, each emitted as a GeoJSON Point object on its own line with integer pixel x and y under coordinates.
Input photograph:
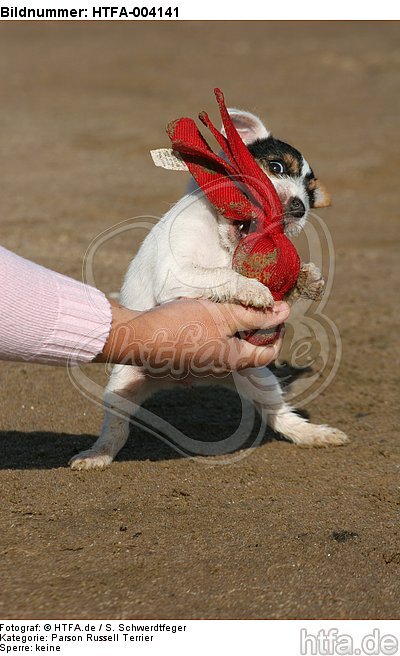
{"type": "Point", "coordinates": [314, 435]}
{"type": "Point", "coordinates": [90, 459]}
{"type": "Point", "coordinates": [251, 292]}
{"type": "Point", "coordinates": [310, 283]}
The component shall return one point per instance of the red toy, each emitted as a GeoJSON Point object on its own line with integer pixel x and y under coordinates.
{"type": "Point", "coordinates": [240, 190]}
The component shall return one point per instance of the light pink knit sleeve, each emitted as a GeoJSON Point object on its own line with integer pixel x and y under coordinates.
{"type": "Point", "coordinates": [47, 317]}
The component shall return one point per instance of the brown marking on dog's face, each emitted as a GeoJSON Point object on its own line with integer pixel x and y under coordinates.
{"type": "Point", "coordinates": [322, 197]}
{"type": "Point", "coordinates": [292, 164]}
{"type": "Point", "coordinates": [317, 192]}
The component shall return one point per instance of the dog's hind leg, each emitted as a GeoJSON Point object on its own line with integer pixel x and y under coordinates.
{"type": "Point", "coordinates": [127, 389]}
{"type": "Point", "coordinates": [262, 388]}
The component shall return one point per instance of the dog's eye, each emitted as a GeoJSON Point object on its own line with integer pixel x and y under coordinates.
{"type": "Point", "coordinates": [276, 167]}
{"type": "Point", "coordinates": [244, 228]}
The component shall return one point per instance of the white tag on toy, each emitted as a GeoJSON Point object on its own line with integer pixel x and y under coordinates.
{"type": "Point", "coordinates": [167, 158]}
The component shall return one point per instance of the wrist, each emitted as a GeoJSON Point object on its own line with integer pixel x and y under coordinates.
{"type": "Point", "coordinates": [120, 345]}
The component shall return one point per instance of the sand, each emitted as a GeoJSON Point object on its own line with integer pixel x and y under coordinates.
{"type": "Point", "coordinates": [281, 532]}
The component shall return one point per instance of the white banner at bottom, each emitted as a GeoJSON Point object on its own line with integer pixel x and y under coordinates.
{"type": "Point", "coordinates": [195, 637]}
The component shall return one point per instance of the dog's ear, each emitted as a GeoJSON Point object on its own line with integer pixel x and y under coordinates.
{"type": "Point", "coordinates": [322, 197]}
{"type": "Point", "coordinates": [249, 126]}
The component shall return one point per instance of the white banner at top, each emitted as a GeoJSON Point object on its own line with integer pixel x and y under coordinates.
{"type": "Point", "coordinates": [223, 10]}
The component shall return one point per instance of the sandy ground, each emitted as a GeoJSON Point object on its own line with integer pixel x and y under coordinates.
{"type": "Point", "coordinates": [282, 532]}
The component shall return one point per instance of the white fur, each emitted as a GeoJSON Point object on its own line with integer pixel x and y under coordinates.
{"type": "Point", "coordinates": [292, 187]}
{"type": "Point", "coordinates": [188, 254]}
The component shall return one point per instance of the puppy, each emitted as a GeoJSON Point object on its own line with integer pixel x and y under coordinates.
{"type": "Point", "coordinates": [189, 254]}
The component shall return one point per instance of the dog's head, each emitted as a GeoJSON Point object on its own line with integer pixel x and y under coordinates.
{"type": "Point", "coordinates": [292, 176]}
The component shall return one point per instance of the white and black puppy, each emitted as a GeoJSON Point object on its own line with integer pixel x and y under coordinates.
{"type": "Point", "coordinates": [189, 254]}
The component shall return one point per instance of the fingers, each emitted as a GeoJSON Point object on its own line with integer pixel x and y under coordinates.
{"type": "Point", "coordinates": [265, 355]}
{"type": "Point", "coordinates": [243, 355]}
{"type": "Point", "coordinates": [241, 318]}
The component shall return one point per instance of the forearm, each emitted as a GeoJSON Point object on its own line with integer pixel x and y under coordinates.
{"type": "Point", "coordinates": [126, 333]}
{"type": "Point", "coordinates": [48, 318]}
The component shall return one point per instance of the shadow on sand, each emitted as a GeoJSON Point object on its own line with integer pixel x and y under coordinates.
{"type": "Point", "coordinates": [198, 412]}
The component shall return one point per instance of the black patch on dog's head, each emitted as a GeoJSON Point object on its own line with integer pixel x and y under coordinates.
{"type": "Point", "coordinates": [280, 159]}
{"type": "Point", "coordinates": [273, 150]}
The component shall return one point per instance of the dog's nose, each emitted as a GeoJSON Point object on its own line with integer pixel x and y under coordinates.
{"type": "Point", "coordinates": [296, 208]}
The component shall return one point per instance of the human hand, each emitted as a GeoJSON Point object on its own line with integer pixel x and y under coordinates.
{"type": "Point", "coordinates": [191, 336]}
